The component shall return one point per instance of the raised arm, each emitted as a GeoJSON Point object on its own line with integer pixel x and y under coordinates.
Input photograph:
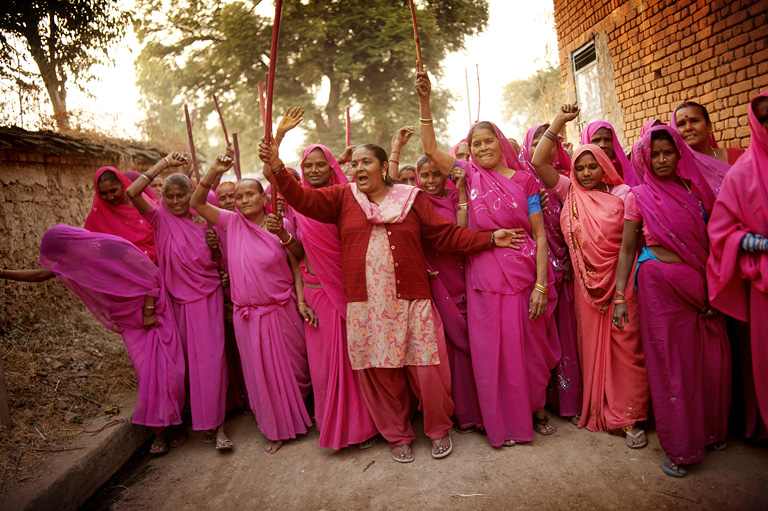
{"type": "Point", "coordinates": [444, 161]}
{"type": "Point", "coordinates": [290, 120]}
{"type": "Point", "coordinates": [402, 136]}
{"type": "Point", "coordinates": [40, 275]}
{"type": "Point", "coordinates": [199, 200]}
{"type": "Point", "coordinates": [629, 240]}
{"type": "Point", "coordinates": [540, 158]}
{"type": "Point", "coordinates": [137, 187]}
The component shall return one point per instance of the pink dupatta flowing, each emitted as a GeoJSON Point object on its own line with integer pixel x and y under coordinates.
{"type": "Point", "coordinates": [123, 220]}
{"type": "Point", "coordinates": [112, 277]}
{"type": "Point", "coordinates": [620, 160]}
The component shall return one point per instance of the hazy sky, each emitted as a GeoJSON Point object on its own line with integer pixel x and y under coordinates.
{"type": "Point", "coordinates": [513, 47]}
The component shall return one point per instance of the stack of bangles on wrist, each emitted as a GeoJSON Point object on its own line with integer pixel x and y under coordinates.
{"type": "Point", "coordinates": [289, 242]}
{"type": "Point", "coordinates": [464, 206]}
{"type": "Point", "coordinates": [618, 301]}
{"type": "Point", "coordinates": [279, 169]}
{"type": "Point", "coordinates": [425, 122]}
{"type": "Point", "coordinates": [550, 136]}
{"type": "Point", "coordinates": [299, 304]}
{"type": "Point", "coordinates": [541, 289]}
{"type": "Point", "coordinates": [145, 176]}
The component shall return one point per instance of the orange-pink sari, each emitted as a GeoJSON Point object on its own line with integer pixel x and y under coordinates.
{"type": "Point", "coordinates": [616, 390]}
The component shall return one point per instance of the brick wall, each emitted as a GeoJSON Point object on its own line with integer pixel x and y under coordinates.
{"type": "Point", "coordinates": [45, 181]}
{"type": "Point", "coordinates": [663, 53]}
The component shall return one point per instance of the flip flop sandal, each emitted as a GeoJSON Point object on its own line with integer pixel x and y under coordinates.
{"type": "Point", "coordinates": [575, 420]}
{"type": "Point", "coordinates": [671, 468]}
{"type": "Point", "coordinates": [371, 442]}
{"type": "Point", "coordinates": [178, 440]}
{"type": "Point", "coordinates": [445, 452]}
{"type": "Point", "coordinates": [209, 437]}
{"type": "Point", "coordinates": [540, 426]}
{"type": "Point", "coordinates": [464, 431]}
{"type": "Point", "coordinates": [405, 453]}
{"type": "Point", "coordinates": [509, 443]}
{"type": "Point", "coordinates": [636, 440]}
{"type": "Point", "coordinates": [159, 447]}
{"type": "Point", "coordinates": [224, 445]}
{"type": "Point", "coordinates": [718, 446]}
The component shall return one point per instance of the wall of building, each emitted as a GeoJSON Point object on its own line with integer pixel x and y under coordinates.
{"type": "Point", "coordinates": [655, 54]}
{"type": "Point", "coordinates": [46, 180]}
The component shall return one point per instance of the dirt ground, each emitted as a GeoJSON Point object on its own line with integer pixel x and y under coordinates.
{"type": "Point", "coordinates": [572, 469]}
{"type": "Point", "coordinates": [59, 375]}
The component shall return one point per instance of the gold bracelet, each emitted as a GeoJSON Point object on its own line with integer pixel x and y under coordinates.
{"type": "Point", "coordinates": [167, 162]}
{"type": "Point", "coordinates": [299, 304]}
{"type": "Point", "coordinates": [425, 122]}
{"type": "Point", "coordinates": [463, 207]}
{"type": "Point", "coordinates": [463, 204]}
{"type": "Point", "coordinates": [287, 243]}
{"type": "Point", "coordinates": [541, 289]}
{"type": "Point", "coordinates": [146, 177]}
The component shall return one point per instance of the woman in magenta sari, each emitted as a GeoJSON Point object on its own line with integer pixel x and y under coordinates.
{"type": "Point", "coordinates": [737, 269]}
{"type": "Point", "coordinates": [124, 290]}
{"type": "Point", "coordinates": [636, 154]}
{"type": "Point", "coordinates": [113, 212]}
{"type": "Point", "coordinates": [194, 286]}
{"type": "Point", "coordinates": [685, 343]}
{"type": "Point", "coordinates": [510, 302]}
{"type": "Point", "coordinates": [341, 414]}
{"type": "Point", "coordinates": [692, 122]}
{"type": "Point", "coordinates": [449, 290]}
{"type": "Point", "coordinates": [268, 326]}
{"type": "Point", "coordinates": [612, 366]}
{"type": "Point", "coordinates": [564, 392]}
{"type": "Point", "coordinates": [602, 134]}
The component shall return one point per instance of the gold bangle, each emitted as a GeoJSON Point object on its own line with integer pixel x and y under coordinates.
{"type": "Point", "coordinates": [287, 243]}
{"type": "Point", "coordinates": [299, 304]}
{"type": "Point", "coordinates": [463, 207]}
{"type": "Point", "coordinates": [463, 204]}
{"type": "Point", "coordinates": [541, 289]}
{"type": "Point", "coordinates": [167, 162]}
{"type": "Point", "coordinates": [146, 177]}
{"type": "Point", "coordinates": [425, 122]}
{"type": "Point", "coordinates": [619, 302]}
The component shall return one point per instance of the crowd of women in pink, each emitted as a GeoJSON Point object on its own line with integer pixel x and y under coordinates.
{"type": "Point", "coordinates": [478, 286]}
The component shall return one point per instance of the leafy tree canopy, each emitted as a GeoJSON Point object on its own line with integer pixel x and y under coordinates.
{"type": "Point", "coordinates": [361, 51]}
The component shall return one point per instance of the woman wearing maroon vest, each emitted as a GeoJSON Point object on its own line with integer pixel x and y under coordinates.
{"type": "Point", "coordinates": [395, 335]}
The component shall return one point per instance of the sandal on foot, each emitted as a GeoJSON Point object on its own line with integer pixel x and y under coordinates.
{"type": "Point", "coordinates": [178, 439]}
{"type": "Point", "coordinates": [402, 458]}
{"type": "Point", "coordinates": [509, 443]}
{"type": "Point", "coordinates": [442, 451]}
{"type": "Point", "coordinates": [224, 444]}
{"type": "Point", "coordinates": [209, 436]}
{"type": "Point", "coordinates": [718, 446]}
{"type": "Point", "coordinates": [464, 431]}
{"type": "Point", "coordinates": [371, 442]}
{"type": "Point", "coordinates": [542, 426]}
{"type": "Point", "coordinates": [575, 420]}
{"type": "Point", "coordinates": [671, 468]}
{"type": "Point", "coordinates": [636, 440]}
{"type": "Point", "coordinates": [159, 446]}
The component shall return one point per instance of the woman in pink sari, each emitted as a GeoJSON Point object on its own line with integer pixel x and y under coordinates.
{"type": "Point", "coordinates": [602, 134]}
{"type": "Point", "coordinates": [612, 367]}
{"type": "Point", "coordinates": [268, 326]}
{"type": "Point", "coordinates": [737, 269]}
{"type": "Point", "coordinates": [510, 299]}
{"type": "Point", "coordinates": [636, 154]}
{"type": "Point", "coordinates": [341, 414]}
{"type": "Point", "coordinates": [449, 290]}
{"type": "Point", "coordinates": [124, 290]}
{"type": "Point", "coordinates": [113, 212]}
{"type": "Point", "coordinates": [685, 343]}
{"type": "Point", "coordinates": [194, 286]}
{"type": "Point", "coordinates": [692, 121]}
{"type": "Point", "coordinates": [564, 393]}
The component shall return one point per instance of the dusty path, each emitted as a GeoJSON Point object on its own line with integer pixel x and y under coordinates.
{"type": "Point", "coordinates": [573, 469]}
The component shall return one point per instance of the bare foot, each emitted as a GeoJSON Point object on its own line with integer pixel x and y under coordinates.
{"type": "Point", "coordinates": [273, 447]}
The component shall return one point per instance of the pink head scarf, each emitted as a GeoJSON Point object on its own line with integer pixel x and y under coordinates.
{"type": "Point", "coordinates": [741, 207]}
{"type": "Point", "coordinates": [123, 220]}
{"type": "Point", "coordinates": [620, 160]}
{"type": "Point", "coordinates": [321, 241]}
{"type": "Point", "coordinates": [562, 161]}
{"type": "Point", "coordinates": [672, 215]}
{"type": "Point", "coordinates": [713, 169]}
{"type": "Point", "coordinates": [636, 156]}
{"type": "Point", "coordinates": [184, 257]}
{"type": "Point", "coordinates": [593, 224]}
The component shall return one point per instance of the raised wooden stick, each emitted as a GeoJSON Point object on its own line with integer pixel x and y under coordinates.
{"type": "Point", "coordinates": [221, 118]}
{"type": "Point", "coordinates": [191, 143]}
{"type": "Point", "coordinates": [237, 156]}
{"type": "Point", "coordinates": [271, 90]}
{"type": "Point", "coordinates": [419, 63]}
{"type": "Point", "coordinates": [261, 104]}
{"type": "Point", "coordinates": [348, 128]}
{"type": "Point", "coordinates": [469, 106]}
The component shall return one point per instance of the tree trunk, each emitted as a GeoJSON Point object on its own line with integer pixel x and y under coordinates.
{"type": "Point", "coordinates": [332, 108]}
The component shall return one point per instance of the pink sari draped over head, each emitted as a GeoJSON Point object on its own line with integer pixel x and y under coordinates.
{"type": "Point", "coordinates": [738, 281]}
{"type": "Point", "coordinates": [612, 365]}
{"type": "Point", "coordinates": [270, 332]}
{"type": "Point", "coordinates": [341, 414]}
{"type": "Point", "coordinates": [564, 392]}
{"type": "Point", "coordinates": [194, 285]}
{"type": "Point", "coordinates": [511, 355]}
{"type": "Point", "coordinates": [686, 352]}
{"type": "Point", "coordinates": [714, 170]}
{"type": "Point", "coordinates": [112, 277]}
{"type": "Point", "coordinates": [673, 216]}
{"type": "Point", "coordinates": [449, 292]}
{"type": "Point", "coordinates": [123, 220]}
{"type": "Point", "coordinates": [620, 161]}
{"type": "Point", "coordinates": [636, 154]}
